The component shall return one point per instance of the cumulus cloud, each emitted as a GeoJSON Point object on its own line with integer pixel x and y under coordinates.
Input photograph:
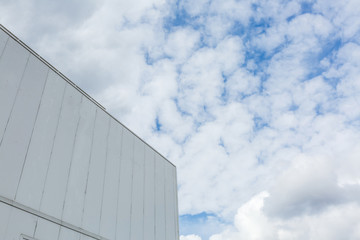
{"type": "Point", "coordinates": [190, 237]}
{"type": "Point", "coordinates": [308, 201]}
{"type": "Point", "coordinates": [251, 222]}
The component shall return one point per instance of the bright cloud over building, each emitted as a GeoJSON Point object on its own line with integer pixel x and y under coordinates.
{"type": "Point", "coordinates": [256, 102]}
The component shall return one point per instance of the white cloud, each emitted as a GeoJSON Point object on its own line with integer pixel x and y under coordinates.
{"type": "Point", "coordinates": [232, 10]}
{"type": "Point", "coordinates": [190, 237]}
{"type": "Point", "coordinates": [249, 218]}
{"type": "Point", "coordinates": [305, 203]}
{"type": "Point", "coordinates": [307, 187]}
{"type": "Point", "coordinates": [182, 43]}
{"type": "Point", "coordinates": [195, 8]}
{"type": "Point", "coordinates": [344, 16]}
{"type": "Point", "coordinates": [276, 10]}
{"type": "Point", "coordinates": [251, 223]}
{"type": "Point", "coordinates": [242, 83]}
{"type": "Point", "coordinates": [251, 96]}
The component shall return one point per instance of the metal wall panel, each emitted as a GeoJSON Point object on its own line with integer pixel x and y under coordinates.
{"type": "Point", "coordinates": [55, 185]}
{"type": "Point", "coordinates": [20, 222]}
{"type": "Point", "coordinates": [124, 204]}
{"type": "Point", "coordinates": [84, 237]}
{"type": "Point", "coordinates": [5, 211]}
{"type": "Point", "coordinates": [75, 193]}
{"type": "Point", "coordinates": [176, 207]}
{"type": "Point", "coordinates": [12, 66]}
{"type": "Point", "coordinates": [16, 222]}
{"type": "Point", "coordinates": [3, 39]}
{"type": "Point", "coordinates": [95, 182]}
{"type": "Point", "coordinates": [149, 194]}
{"type": "Point", "coordinates": [46, 230]}
{"type": "Point", "coordinates": [111, 185]}
{"type": "Point", "coordinates": [36, 164]}
{"type": "Point", "coordinates": [170, 202]}
{"type": "Point", "coordinates": [159, 198]}
{"type": "Point", "coordinates": [67, 234]}
{"type": "Point", "coordinates": [137, 203]}
{"type": "Point", "coordinates": [19, 129]}
{"type": "Point", "coordinates": [62, 155]}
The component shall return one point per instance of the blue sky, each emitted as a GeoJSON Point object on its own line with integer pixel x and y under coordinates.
{"type": "Point", "coordinates": [257, 102]}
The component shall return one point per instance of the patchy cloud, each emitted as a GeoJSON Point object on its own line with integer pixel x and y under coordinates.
{"type": "Point", "coordinates": [190, 237]}
{"type": "Point", "coordinates": [334, 223]}
{"type": "Point", "coordinates": [256, 102]}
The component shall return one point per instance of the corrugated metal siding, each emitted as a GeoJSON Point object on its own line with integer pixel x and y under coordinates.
{"type": "Point", "coordinates": [63, 156]}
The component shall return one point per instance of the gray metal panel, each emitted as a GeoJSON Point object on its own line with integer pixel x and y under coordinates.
{"type": "Point", "coordinates": [57, 175]}
{"type": "Point", "coordinates": [12, 66]}
{"type": "Point", "coordinates": [95, 182]}
{"type": "Point", "coordinates": [75, 193]}
{"type": "Point", "coordinates": [3, 39]}
{"type": "Point", "coordinates": [20, 222]}
{"type": "Point", "coordinates": [19, 129]}
{"type": "Point", "coordinates": [33, 178]}
{"type": "Point", "coordinates": [128, 188]}
{"type": "Point", "coordinates": [170, 202]}
{"type": "Point", "coordinates": [149, 194]}
{"type": "Point", "coordinates": [111, 185]}
{"type": "Point", "coordinates": [84, 237]}
{"type": "Point", "coordinates": [49, 218]}
{"type": "Point", "coordinates": [124, 204]}
{"type": "Point", "coordinates": [67, 234]}
{"type": "Point", "coordinates": [176, 209]}
{"type": "Point", "coordinates": [46, 230]}
{"type": "Point", "coordinates": [137, 204]}
{"type": "Point", "coordinates": [5, 211]}
{"type": "Point", "coordinates": [159, 198]}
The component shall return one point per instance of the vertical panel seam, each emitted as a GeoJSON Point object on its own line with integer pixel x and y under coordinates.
{"type": "Point", "coordinates": [93, 124]}
{"type": "Point", "coordinates": [143, 219]}
{"type": "Point", "coordinates": [72, 157]}
{"type": "Point", "coordinates": [143, 192]}
{"type": "Point", "coordinates": [131, 183]}
{"type": "Point", "coordinates": [36, 224]}
{"type": "Point", "coordinates": [174, 195]}
{"type": "Point", "coordinates": [31, 136]}
{"type": "Point", "coordinates": [177, 206]}
{"type": "Point", "coordinates": [88, 171]}
{"type": "Point", "coordinates": [166, 196]}
{"type": "Point", "coordinates": [58, 237]}
{"type": "Point", "coordinates": [118, 188]}
{"type": "Point", "coordinates": [106, 162]}
{"type": "Point", "coordinates": [143, 235]}
{"type": "Point", "coordinates": [2, 52]}
{"type": "Point", "coordinates": [8, 221]}
{"type": "Point", "coordinates": [17, 93]}
{"type": "Point", "coordinates": [165, 204]}
{"type": "Point", "coordinates": [52, 147]}
{"type": "Point", "coordinates": [155, 161]}
{"type": "Point", "coordinates": [32, 132]}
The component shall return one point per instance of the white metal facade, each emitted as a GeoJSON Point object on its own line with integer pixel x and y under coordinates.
{"type": "Point", "coordinates": [68, 170]}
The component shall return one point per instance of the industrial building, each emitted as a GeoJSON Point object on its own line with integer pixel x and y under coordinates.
{"type": "Point", "coordinates": [68, 169]}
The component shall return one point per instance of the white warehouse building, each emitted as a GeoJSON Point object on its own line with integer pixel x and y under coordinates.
{"type": "Point", "coordinates": [68, 169]}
